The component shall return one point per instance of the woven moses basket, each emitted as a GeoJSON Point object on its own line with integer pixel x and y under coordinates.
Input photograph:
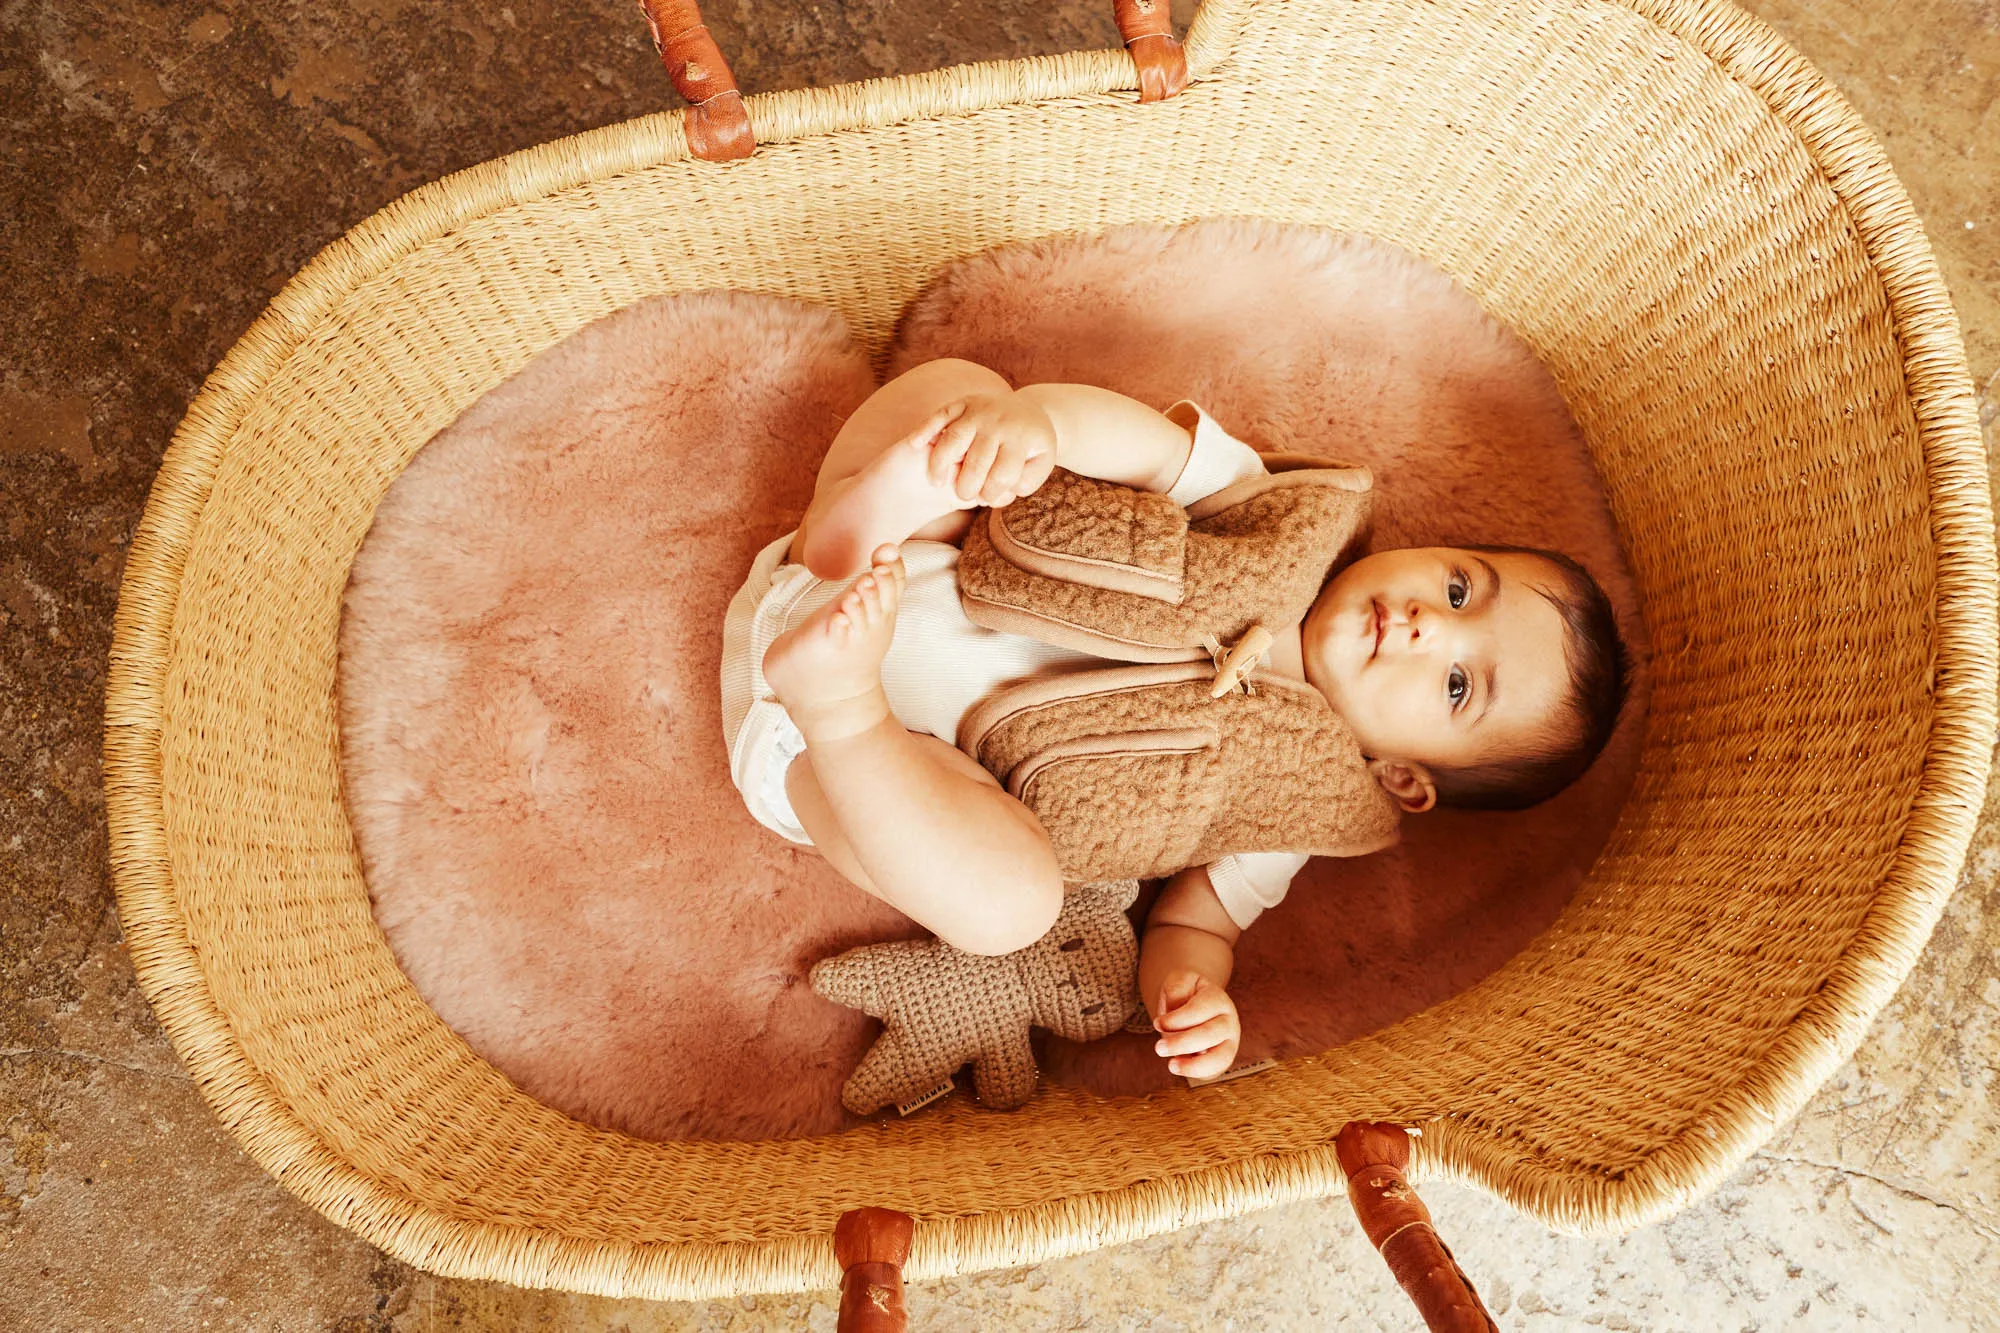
{"type": "Point", "coordinates": [1684, 221]}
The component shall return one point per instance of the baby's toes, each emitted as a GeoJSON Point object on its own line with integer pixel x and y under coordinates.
{"type": "Point", "coordinates": [871, 592]}
{"type": "Point", "coordinates": [891, 574]}
{"type": "Point", "coordinates": [853, 611]}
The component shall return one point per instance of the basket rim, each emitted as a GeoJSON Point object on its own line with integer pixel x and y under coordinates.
{"type": "Point", "coordinates": [1923, 873]}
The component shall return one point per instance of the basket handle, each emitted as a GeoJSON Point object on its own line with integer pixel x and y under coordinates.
{"type": "Point", "coordinates": [718, 128]}
{"type": "Point", "coordinates": [1399, 1227]}
{"type": "Point", "coordinates": [872, 1245]}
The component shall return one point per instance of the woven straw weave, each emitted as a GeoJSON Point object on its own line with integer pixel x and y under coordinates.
{"type": "Point", "coordinates": [1716, 262]}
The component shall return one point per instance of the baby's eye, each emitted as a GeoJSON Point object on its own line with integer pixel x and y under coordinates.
{"type": "Point", "coordinates": [1455, 686]}
{"type": "Point", "coordinates": [1458, 589]}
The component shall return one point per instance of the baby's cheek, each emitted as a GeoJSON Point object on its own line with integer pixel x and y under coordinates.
{"type": "Point", "coordinates": [1371, 704]}
{"type": "Point", "coordinates": [1395, 717]}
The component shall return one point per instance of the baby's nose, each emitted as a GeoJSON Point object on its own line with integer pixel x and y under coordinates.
{"type": "Point", "coordinates": [1419, 621]}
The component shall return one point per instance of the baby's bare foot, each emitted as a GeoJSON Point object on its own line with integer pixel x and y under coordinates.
{"type": "Point", "coordinates": [827, 670]}
{"type": "Point", "coordinates": [886, 501]}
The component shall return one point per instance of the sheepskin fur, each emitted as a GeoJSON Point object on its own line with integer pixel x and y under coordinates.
{"type": "Point", "coordinates": [531, 730]}
{"type": "Point", "coordinates": [532, 735]}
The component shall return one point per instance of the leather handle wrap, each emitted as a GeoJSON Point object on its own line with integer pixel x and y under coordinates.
{"type": "Point", "coordinates": [1374, 1156]}
{"type": "Point", "coordinates": [718, 127]}
{"type": "Point", "coordinates": [871, 1246]}
{"type": "Point", "coordinates": [1148, 29]}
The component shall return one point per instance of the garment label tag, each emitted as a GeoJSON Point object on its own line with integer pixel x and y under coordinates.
{"type": "Point", "coordinates": [919, 1103]}
{"type": "Point", "coordinates": [1239, 1072]}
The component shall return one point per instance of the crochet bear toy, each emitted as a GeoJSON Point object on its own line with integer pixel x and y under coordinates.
{"type": "Point", "coordinates": [941, 1006]}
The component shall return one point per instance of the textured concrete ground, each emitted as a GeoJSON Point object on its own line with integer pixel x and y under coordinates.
{"type": "Point", "coordinates": [171, 164]}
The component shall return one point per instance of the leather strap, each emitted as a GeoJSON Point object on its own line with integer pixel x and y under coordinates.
{"type": "Point", "coordinates": [1148, 29]}
{"type": "Point", "coordinates": [1399, 1227]}
{"type": "Point", "coordinates": [871, 1245]}
{"type": "Point", "coordinates": [718, 126]}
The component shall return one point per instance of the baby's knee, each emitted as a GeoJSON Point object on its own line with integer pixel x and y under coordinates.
{"type": "Point", "coordinates": [1022, 918]}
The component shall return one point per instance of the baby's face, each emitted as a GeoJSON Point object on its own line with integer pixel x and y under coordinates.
{"type": "Point", "coordinates": [1440, 657]}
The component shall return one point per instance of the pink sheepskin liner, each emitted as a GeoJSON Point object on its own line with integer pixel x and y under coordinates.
{"type": "Point", "coordinates": [531, 728]}
{"type": "Point", "coordinates": [532, 735]}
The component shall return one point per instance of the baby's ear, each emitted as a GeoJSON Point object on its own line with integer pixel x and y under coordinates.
{"type": "Point", "coordinates": [1410, 783]}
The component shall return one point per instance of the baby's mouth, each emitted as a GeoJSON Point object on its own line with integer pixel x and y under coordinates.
{"type": "Point", "coordinates": [1376, 623]}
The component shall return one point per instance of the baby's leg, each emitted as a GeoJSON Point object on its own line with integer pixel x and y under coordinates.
{"type": "Point", "coordinates": [874, 485]}
{"type": "Point", "coordinates": [906, 817]}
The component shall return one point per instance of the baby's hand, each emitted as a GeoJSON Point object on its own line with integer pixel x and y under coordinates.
{"type": "Point", "coordinates": [1199, 1023]}
{"type": "Point", "coordinates": [1002, 448]}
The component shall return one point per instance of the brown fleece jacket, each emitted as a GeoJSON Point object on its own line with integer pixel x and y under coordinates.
{"type": "Point", "coordinates": [1137, 770]}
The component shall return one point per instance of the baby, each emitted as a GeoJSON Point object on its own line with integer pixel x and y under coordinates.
{"type": "Point", "coordinates": [1487, 677]}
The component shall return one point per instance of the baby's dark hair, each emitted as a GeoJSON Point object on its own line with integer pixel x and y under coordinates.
{"type": "Point", "coordinates": [1598, 665]}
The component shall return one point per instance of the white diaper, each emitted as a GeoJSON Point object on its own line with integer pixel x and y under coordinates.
{"type": "Point", "coordinates": [761, 736]}
{"type": "Point", "coordinates": [939, 664]}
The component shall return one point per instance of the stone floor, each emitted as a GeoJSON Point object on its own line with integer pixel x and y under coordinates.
{"type": "Point", "coordinates": [173, 163]}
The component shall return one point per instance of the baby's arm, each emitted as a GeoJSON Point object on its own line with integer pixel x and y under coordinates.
{"type": "Point", "coordinates": [951, 435]}
{"type": "Point", "coordinates": [994, 445]}
{"type": "Point", "coordinates": [1184, 964]}
{"type": "Point", "coordinates": [1103, 434]}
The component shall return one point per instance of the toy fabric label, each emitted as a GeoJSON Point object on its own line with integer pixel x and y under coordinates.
{"type": "Point", "coordinates": [919, 1103]}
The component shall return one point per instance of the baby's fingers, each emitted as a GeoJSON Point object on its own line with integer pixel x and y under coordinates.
{"type": "Point", "coordinates": [978, 462]}
{"type": "Point", "coordinates": [934, 424]}
{"type": "Point", "coordinates": [952, 442]}
{"type": "Point", "coordinates": [1189, 1041]}
{"type": "Point", "coordinates": [1175, 991]}
{"type": "Point", "coordinates": [1034, 471]}
{"type": "Point", "coordinates": [1203, 1005]}
{"type": "Point", "coordinates": [1208, 1064]}
{"type": "Point", "coordinates": [1003, 479]}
